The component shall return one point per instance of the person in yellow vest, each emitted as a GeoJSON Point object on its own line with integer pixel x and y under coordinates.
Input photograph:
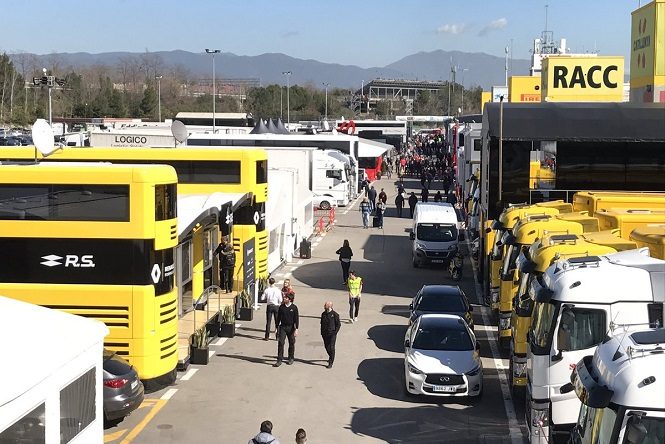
{"type": "Point", "coordinates": [355, 285]}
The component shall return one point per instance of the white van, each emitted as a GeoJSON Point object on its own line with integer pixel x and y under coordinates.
{"type": "Point", "coordinates": [435, 233]}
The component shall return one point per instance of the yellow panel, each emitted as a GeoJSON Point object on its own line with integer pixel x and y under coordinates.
{"type": "Point", "coordinates": [524, 89]}
{"type": "Point", "coordinates": [644, 44]}
{"type": "Point", "coordinates": [485, 96]}
{"type": "Point", "coordinates": [582, 79]}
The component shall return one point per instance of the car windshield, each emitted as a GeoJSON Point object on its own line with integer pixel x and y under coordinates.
{"type": "Point", "coordinates": [437, 232]}
{"type": "Point", "coordinates": [441, 303]}
{"type": "Point", "coordinates": [541, 324]}
{"type": "Point", "coordinates": [443, 337]}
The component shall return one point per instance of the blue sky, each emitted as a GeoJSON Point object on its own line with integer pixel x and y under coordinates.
{"type": "Point", "coordinates": [366, 33]}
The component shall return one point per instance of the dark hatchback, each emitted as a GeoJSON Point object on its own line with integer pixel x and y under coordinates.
{"type": "Point", "coordinates": [123, 391]}
{"type": "Point", "coordinates": [441, 299]}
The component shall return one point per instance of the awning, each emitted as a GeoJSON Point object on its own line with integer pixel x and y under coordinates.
{"type": "Point", "coordinates": [194, 208]}
{"type": "Point", "coordinates": [372, 148]}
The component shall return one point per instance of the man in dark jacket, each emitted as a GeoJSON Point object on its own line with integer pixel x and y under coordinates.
{"type": "Point", "coordinates": [227, 262]}
{"type": "Point", "coordinates": [287, 327]}
{"type": "Point", "coordinates": [413, 200]}
{"type": "Point", "coordinates": [330, 325]}
{"type": "Point", "coordinates": [371, 196]}
{"type": "Point", "coordinates": [399, 204]}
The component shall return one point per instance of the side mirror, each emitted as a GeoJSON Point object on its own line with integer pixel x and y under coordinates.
{"type": "Point", "coordinates": [407, 343]}
{"type": "Point", "coordinates": [566, 388]}
{"type": "Point", "coordinates": [558, 357]}
{"type": "Point", "coordinates": [412, 235]}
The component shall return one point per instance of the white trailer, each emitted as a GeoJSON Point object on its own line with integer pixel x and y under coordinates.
{"type": "Point", "coordinates": [576, 302]}
{"type": "Point", "coordinates": [622, 390]}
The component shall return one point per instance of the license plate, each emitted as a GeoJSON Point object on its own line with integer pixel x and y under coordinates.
{"type": "Point", "coordinates": [444, 388]}
{"type": "Point", "coordinates": [134, 384]}
{"type": "Point", "coordinates": [437, 261]}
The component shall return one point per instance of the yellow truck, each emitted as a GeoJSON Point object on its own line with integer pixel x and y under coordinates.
{"type": "Point", "coordinates": [524, 233]}
{"type": "Point", "coordinates": [628, 219]}
{"type": "Point", "coordinates": [651, 236]}
{"type": "Point", "coordinates": [532, 263]}
{"type": "Point", "coordinates": [499, 228]}
{"type": "Point", "coordinates": [594, 201]}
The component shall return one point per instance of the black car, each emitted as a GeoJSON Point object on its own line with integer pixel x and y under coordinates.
{"type": "Point", "coordinates": [123, 391]}
{"type": "Point", "coordinates": [441, 299]}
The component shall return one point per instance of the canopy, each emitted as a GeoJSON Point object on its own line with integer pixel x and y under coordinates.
{"type": "Point", "coordinates": [372, 148]}
{"type": "Point", "coordinates": [259, 128]}
{"type": "Point", "coordinates": [194, 208]}
{"type": "Point", "coordinates": [606, 122]}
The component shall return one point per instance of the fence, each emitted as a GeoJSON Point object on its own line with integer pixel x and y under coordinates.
{"type": "Point", "coordinates": [323, 220]}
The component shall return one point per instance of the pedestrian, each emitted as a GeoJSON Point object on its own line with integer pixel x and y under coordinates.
{"type": "Point", "coordinates": [452, 199]}
{"type": "Point", "coordinates": [446, 183]}
{"type": "Point", "coordinates": [287, 289]}
{"type": "Point", "coordinates": [380, 209]}
{"type": "Point", "coordinates": [345, 255]}
{"type": "Point", "coordinates": [365, 210]}
{"type": "Point", "coordinates": [287, 327]}
{"type": "Point", "coordinates": [364, 185]}
{"type": "Point", "coordinates": [383, 197]}
{"type": "Point", "coordinates": [399, 204]}
{"type": "Point", "coordinates": [330, 325]}
{"type": "Point", "coordinates": [413, 200]}
{"type": "Point", "coordinates": [400, 188]}
{"type": "Point", "coordinates": [424, 194]}
{"type": "Point", "coordinates": [273, 297]}
{"type": "Point", "coordinates": [355, 284]}
{"type": "Point", "coordinates": [438, 197]}
{"type": "Point", "coordinates": [372, 198]}
{"type": "Point", "coordinates": [301, 436]}
{"type": "Point", "coordinates": [227, 262]}
{"type": "Point", "coordinates": [265, 435]}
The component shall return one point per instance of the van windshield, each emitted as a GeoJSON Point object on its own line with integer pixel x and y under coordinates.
{"type": "Point", "coordinates": [437, 232]}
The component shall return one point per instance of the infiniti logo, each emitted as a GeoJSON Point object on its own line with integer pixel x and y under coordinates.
{"type": "Point", "coordinates": [444, 379]}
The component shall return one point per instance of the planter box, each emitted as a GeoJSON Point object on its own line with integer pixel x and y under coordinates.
{"type": "Point", "coordinates": [213, 328]}
{"type": "Point", "coordinates": [198, 355]}
{"type": "Point", "coordinates": [227, 330]}
{"type": "Point", "coordinates": [246, 314]}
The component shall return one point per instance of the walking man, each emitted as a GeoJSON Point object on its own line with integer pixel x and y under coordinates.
{"type": "Point", "coordinates": [371, 195]}
{"type": "Point", "coordinates": [330, 325]}
{"type": "Point", "coordinates": [273, 297]}
{"type": "Point", "coordinates": [383, 197]}
{"type": "Point", "coordinates": [355, 285]}
{"type": "Point", "coordinates": [380, 209]}
{"type": "Point", "coordinates": [227, 261]}
{"type": "Point", "coordinates": [424, 193]}
{"type": "Point", "coordinates": [265, 435]}
{"type": "Point", "coordinates": [287, 327]}
{"type": "Point", "coordinates": [365, 209]}
{"type": "Point", "coordinates": [399, 204]}
{"type": "Point", "coordinates": [413, 200]}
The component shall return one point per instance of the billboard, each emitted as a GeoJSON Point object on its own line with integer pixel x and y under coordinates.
{"type": "Point", "coordinates": [485, 96]}
{"type": "Point", "coordinates": [582, 79]}
{"type": "Point", "coordinates": [647, 53]}
{"type": "Point", "coordinates": [498, 91]}
{"type": "Point", "coordinates": [524, 89]}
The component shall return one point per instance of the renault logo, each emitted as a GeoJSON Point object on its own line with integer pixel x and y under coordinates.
{"type": "Point", "coordinates": [444, 379]}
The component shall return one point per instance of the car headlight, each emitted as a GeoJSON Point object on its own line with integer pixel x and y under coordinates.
{"type": "Point", "coordinates": [504, 323]}
{"type": "Point", "coordinates": [474, 371]}
{"type": "Point", "coordinates": [519, 369]}
{"type": "Point", "coordinates": [540, 418]}
{"type": "Point", "coordinates": [413, 369]}
{"type": "Point", "coordinates": [419, 246]}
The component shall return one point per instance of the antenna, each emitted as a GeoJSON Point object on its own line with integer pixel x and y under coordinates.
{"type": "Point", "coordinates": [546, 8]}
{"type": "Point", "coordinates": [42, 136]}
{"type": "Point", "coordinates": [179, 131]}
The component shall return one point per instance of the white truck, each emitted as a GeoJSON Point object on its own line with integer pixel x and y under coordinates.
{"type": "Point", "coordinates": [331, 177]}
{"type": "Point", "coordinates": [577, 301]}
{"type": "Point", "coordinates": [622, 390]}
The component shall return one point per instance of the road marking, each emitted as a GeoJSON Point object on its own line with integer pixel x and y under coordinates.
{"type": "Point", "coordinates": [350, 207]}
{"type": "Point", "coordinates": [300, 262]}
{"type": "Point", "coordinates": [513, 425]}
{"type": "Point", "coordinates": [168, 394]}
{"type": "Point", "coordinates": [109, 437]}
{"type": "Point", "coordinates": [287, 275]}
{"type": "Point", "coordinates": [219, 341]}
{"type": "Point", "coordinates": [293, 269]}
{"type": "Point", "coordinates": [159, 403]}
{"type": "Point", "coordinates": [211, 353]}
{"type": "Point", "coordinates": [188, 375]}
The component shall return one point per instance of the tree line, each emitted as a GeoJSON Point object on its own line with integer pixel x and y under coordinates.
{"type": "Point", "coordinates": [129, 89]}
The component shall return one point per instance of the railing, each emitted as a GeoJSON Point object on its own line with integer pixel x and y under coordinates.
{"type": "Point", "coordinates": [323, 220]}
{"type": "Point", "coordinates": [202, 303]}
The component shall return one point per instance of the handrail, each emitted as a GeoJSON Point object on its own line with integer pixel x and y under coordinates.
{"type": "Point", "coordinates": [205, 294]}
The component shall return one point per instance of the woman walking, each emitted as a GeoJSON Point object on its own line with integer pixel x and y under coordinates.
{"type": "Point", "coordinates": [345, 255]}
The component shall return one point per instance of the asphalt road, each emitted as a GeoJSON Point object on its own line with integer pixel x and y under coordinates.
{"type": "Point", "coordinates": [362, 398]}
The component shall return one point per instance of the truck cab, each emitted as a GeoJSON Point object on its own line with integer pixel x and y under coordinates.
{"type": "Point", "coordinates": [330, 177]}
{"type": "Point", "coordinates": [621, 390]}
{"type": "Point", "coordinates": [577, 301]}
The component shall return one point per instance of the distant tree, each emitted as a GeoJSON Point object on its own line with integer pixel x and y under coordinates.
{"type": "Point", "coordinates": [149, 102]}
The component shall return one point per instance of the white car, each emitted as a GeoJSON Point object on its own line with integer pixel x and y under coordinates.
{"type": "Point", "coordinates": [441, 357]}
{"type": "Point", "coordinates": [324, 201]}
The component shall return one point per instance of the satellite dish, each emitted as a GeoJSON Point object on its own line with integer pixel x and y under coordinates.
{"type": "Point", "coordinates": [179, 131]}
{"type": "Point", "coordinates": [42, 136]}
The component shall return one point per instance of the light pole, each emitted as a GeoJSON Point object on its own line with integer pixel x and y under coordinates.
{"type": "Point", "coordinates": [288, 104]}
{"type": "Point", "coordinates": [362, 94]}
{"type": "Point", "coordinates": [159, 97]}
{"type": "Point", "coordinates": [326, 85]}
{"type": "Point", "coordinates": [214, 93]}
{"type": "Point", "coordinates": [462, 106]}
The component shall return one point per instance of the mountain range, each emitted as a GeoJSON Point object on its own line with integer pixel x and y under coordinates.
{"type": "Point", "coordinates": [473, 69]}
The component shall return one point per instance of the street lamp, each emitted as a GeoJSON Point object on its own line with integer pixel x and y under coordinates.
{"type": "Point", "coordinates": [326, 85]}
{"type": "Point", "coordinates": [159, 97]}
{"type": "Point", "coordinates": [50, 82]}
{"type": "Point", "coordinates": [288, 107]}
{"type": "Point", "coordinates": [213, 52]}
{"type": "Point", "coordinates": [362, 94]}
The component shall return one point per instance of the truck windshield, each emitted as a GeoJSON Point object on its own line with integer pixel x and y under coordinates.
{"type": "Point", "coordinates": [497, 251]}
{"type": "Point", "coordinates": [436, 232]}
{"type": "Point", "coordinates": [595, 426]}
{"type": "Point", "coordinates": [509, 261]}
{"type": "Point", "coordinates": [542, 325]}
{"type": "Point", "coordinates": [524, 299]}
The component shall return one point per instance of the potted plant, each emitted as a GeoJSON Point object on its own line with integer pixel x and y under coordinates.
{"type": "Point", "coordinates": [213, 325]}
{"type": "Point", "coordinates": [246, 312]}
{"type": "Point", "coordinates": [198, 350]}
{"type": "Point", "coordinates": [228, 327]}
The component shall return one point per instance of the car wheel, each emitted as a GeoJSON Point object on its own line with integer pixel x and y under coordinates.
{"type": "Point", "coordinates": [325, 205]}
